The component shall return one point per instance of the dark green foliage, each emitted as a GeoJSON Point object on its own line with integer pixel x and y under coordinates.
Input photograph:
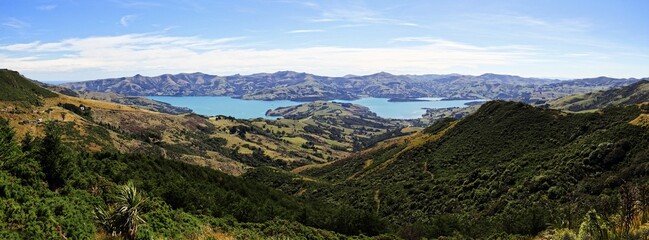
{"type": "Point", "coordinates": [371, 142]}
{"type": "Point", "coordinates": [27, 208]}
{"type": "Point", "coordinates": [201, 190]}
{"type": "Point", "coordinates": [148, 135]}
{"type": "Point", "coordinates": [58, 164]}
{"type": "Point", "coordinates": [80, 110]}
{"type": "Point", "coordinates": [56, 196]}
{"type": "Point", "coordinates": [439, 125]}
{"type": "Point", "coordinates": [9, 150]}
{"type": "Point", "coordinates": [124, 215]}
{"type": "Point", "coordinates": [313, 129]}
{"type": "Point", "coordinates": [509, 168]}
{"type": "Point", "coordinates": [15, 87]}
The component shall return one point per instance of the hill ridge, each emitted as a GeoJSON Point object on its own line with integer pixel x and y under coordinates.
{"type": "Point", "coordinates": [634, 93]}
{"type": "Point", "coordinates": [16, 87]}
{"type": "Point", "coordinates": [291, 85]}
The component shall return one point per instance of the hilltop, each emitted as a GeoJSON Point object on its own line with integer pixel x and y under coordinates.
{"type": "Point", "coordinates": [304, 86]}
{"type": "Point", "coordinates": [632, 94]}
{"type": "Point", "coordinates": [322, 108]}
{"type": "Point", "coordinates": [350, 127]}
{"type": "Point", "coordinates": [16, 88]}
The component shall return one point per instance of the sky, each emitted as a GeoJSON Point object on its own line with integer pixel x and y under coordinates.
{"type": "Point", "coordinates": [73, 40]}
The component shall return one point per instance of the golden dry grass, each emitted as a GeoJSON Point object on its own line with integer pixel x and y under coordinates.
{"type": "Point", "coordinates": [642, 120]}
{"type": "Point", "coordinates": [413, 141]}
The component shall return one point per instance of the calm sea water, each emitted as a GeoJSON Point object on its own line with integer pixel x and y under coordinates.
{"type": "Point", "coordinates": [238, 108]}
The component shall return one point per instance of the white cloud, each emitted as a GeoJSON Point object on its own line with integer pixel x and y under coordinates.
{"type": "Point", "coordinates": [21, 46]}
{"type": "Point", "coordinates": [126, 20]}
{"type": "Point", "coordinates": [48, 7]}
{"type": "Point", "coordinates": [358, 15]}
{"type": "Point", "coordinates": [563, 25]}
{"type": "Point", "coordinates": [306, 31]}
{"type": "Point", "coordinates": [15, 23]}
{"type": "Point", "coordinates": [98, 57]}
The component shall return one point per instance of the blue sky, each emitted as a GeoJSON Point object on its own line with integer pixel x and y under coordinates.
{"type": "Point", "coordinates": [83, 39]}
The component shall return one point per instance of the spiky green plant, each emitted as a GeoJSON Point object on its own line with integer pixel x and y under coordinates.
{"type": "Point", "coordinates": [106, 218]}
{"type": "Point", "coordinates": [125, 215]}
{"type": "Point", "coordinates": [129, 207]}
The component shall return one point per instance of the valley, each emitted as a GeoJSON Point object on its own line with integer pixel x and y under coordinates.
{"type": "Point", "coordinates": [326, 169]}
{"type": "Point", "coordinates": [324, 120]}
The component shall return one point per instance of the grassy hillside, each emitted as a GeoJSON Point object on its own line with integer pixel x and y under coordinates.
{"type": "Point", "coordinates": [15, 87]}
{"type": "Point", "coordinates": [140, 102]}
{"type": "Point", "coordinates": [632, 94]}
{"type": "Point", "coordinates": [222, 143]}
{"type": "Point", "coordinates": [507, 169]}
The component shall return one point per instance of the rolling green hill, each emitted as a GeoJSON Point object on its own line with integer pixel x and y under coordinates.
{"type": "Point", "coordinates": [16, 88]}
{"type": "Point", "coordinates": [350, 127]}
{"type": "Point", "coordinates": [632, 94]}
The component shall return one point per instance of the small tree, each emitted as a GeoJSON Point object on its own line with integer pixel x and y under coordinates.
{"type": "Point", "coordinates": [629, 207]}
{"type": "Point", "coordinates": [593, 227]}
{"type": "Point", "coordinates": [57, 161]}
{"type": "Point", "coordinates": [9, 150]}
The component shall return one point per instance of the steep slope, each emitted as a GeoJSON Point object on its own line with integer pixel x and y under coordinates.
{"type": "Point", "coordinates": [509, 168]}
{"type": "Point", "coordinates": [16, 89]}
{"type": "Point", "coordinates": [304, 86]}
{"type": "Point", "coordinates": [632, 94]}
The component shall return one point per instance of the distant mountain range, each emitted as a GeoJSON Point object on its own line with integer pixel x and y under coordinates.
{"type": "Point", "coordinates": [289, 85]}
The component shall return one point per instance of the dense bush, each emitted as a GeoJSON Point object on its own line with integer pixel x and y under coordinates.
{"type": "Point", "coordinates": [48, 190]}
{"type": "Point", "coordinates": [508, 169]}
{"type": "Point", "coordinates": [80, 110]}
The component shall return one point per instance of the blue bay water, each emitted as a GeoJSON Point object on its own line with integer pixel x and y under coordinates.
{"type": "Point", "coordinates": [238, 108]}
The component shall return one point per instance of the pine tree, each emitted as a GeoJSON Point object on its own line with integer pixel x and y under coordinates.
{"type": "Point", "coordinates": [9, 150]}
